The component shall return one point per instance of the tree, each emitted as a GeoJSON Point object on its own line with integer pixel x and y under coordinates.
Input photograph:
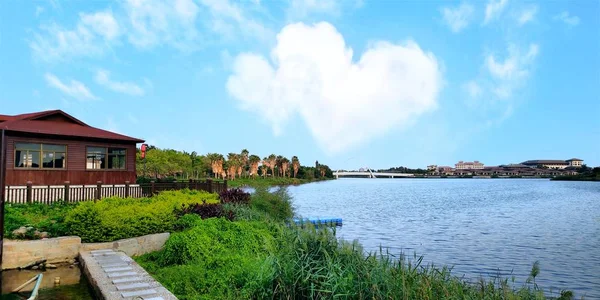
{"type": "Point", "coordinates": [285, 165]}
{"type": "Point", "coordinates": [244, 156]}
{"type": "Point", "coordinates": [272, 161]}
{"type": "Point", "coordinates": [295, 165]}
{"type": "Point", "coordinates": [254, 160]}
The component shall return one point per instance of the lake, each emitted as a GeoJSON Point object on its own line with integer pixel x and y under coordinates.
{"type": "Point", "coordinates": [481, 227]}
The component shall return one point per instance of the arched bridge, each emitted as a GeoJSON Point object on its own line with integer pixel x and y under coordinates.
{"type": "Point", "coordinates": [370, 174]}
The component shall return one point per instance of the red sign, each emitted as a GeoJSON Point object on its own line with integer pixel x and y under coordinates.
{"type": "Point", "coordinates": [144, 146]}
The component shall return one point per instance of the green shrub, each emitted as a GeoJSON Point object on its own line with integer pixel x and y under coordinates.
{"type": "Point", "coordinates": [42, 217]}
{"type": "Point", "coordinates": [276, 205]}
{"type": "Point", "coordinates": [118, 218]}
{"type": "Point", "coordinates": [186, 222]}
{"type": "Point", "coordinates": [216, 259]}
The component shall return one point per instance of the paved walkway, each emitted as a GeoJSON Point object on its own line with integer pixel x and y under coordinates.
{"type": "Point", "coordinates": [114, 275]}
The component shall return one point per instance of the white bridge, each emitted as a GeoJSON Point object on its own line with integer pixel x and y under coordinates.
{"type": "Point", "coordinates": [370, 174]}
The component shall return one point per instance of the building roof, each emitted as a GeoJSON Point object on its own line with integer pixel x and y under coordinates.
{"type": "Point", "coordinates": [544, 162]}
{"type": "Point", "coordinates": [57, 122]}
{"type": "Point", "coordinates": [574, 159]}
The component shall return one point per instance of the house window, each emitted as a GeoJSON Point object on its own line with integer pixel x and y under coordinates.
{"type": "Point", "coordinates": [99, 158]}
{"type": "Point", "coordinates": [40, 156]}
{"type": "Point", "coordinates": [116, 158]}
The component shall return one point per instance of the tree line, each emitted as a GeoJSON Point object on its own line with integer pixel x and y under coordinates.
{"type": "Point", "coordinates": [169, 163]}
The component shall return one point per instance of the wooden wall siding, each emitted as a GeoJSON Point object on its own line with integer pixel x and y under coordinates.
{"type": "Point", "coordinates": [75, 172]}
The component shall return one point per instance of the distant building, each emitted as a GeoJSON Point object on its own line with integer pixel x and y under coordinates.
{"type": "Point", "coordinates": [462, 165]}
{"type": "Point", "coordinates": [575, 162]}
{"type": "Point", "coordinates": [553, 163]}
{"type": "Point", "coordinates": [446, 170]}
{"type": "Point", "coordinates": [432, 168]}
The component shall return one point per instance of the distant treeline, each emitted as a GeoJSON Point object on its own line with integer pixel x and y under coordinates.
{"type": "Point", "coordinates": [403, 170]}
{"type": "Point", "coordinates": [169, 164]}
{"type": "Point", "coordinates": [585, 174]}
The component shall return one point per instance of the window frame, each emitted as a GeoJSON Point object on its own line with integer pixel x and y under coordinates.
{"type": "Point", "coordinates": [106, 157]}
{"type": "Point", "coordinates": [41, 154]}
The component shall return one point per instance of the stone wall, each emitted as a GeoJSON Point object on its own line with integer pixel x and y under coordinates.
{"type": "Point", "coordinates": [63, 249]}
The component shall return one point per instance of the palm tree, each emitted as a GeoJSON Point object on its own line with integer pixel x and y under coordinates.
{"type": "Point", "coordinates": [265, 166]}
{"type": "Point", "coordinates": [231, 165]}
{"type": "Point", "coordinates": [295, 165]}
{"type": "Point", "coordinates": [285, 165]}
{"type": "Point", "coordinates": [216, 163]}
{"type": "Point", "coordinates": [244, 156]}
{"type": "Point", "coordinates": [272, 163]}
{"type": "Point", "coordinates": [254, 160]}
{"type": "Point", "coordinates": [278, 162]}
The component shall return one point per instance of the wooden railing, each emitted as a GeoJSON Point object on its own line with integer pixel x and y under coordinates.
{"type": "Point", "coordinates": [76, 193]}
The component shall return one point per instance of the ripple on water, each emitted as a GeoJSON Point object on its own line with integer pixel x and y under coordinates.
{"type": "Point", "coordinates": [480, 227]}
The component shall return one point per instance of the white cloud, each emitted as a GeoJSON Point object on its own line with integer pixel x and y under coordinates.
{"type": "Point", "coordinates": [129, 88]}
{"type": "Point", "coordinates": [103, 23]}
{"type": "Point", "coordinates": [343, 102]}
{"type": "Point", "coordinates": [494, 9]}
{"type": "Point", "coordinates": [567, 18]}
{"type": "Point", "coordinates": [511, 73]}
{"type": "Point", "coordinates": [458, 17]}
{"type": "Point", "coordinates": [154, 22]}
{"type": "Point", "coordinates": [38, 11]}
{"type": "Point", "coordinates": [89, 38]}
{"type": "Point", "coordinates": [527, 15]}
{"type": "Point", "coordinates": [74, 88]}
{"type": "Point", "coordinates": [473, 88]}
{"type": "Point", "coordinates": [227, 19]}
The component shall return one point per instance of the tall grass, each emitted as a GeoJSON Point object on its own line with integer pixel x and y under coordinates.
{"type": "Point", "coordinates": [260, 257]}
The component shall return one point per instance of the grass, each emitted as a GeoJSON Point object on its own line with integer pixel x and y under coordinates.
{"type": "Point", "coordinates": [260, 256]}
{"type": "Point", "coordinates": [268, 182]}
{"type": "Point", "coordinates": [45, 218]}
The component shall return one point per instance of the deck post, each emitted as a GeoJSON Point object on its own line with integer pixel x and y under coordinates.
{"type": "Point", "coordinates": [67, 191]}
{"type": "Point", "coordinates": [209, 185]}
{"type": "Point", "coordinates": [152, 188]}
{"type": "Point", "coordinates": [225, 185]}
{"type": "Point", "coordinates": [29, 192]}
{"type": "Point", "coordinates": [126, 189]}
{"type": "Point", "coordinates": [98, 191]}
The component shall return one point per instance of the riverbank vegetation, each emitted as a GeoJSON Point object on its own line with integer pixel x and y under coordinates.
{"type": "Point", "coordinates": [238, 246]}
{"type": "Point", "coordinates": [585, 174]}
{"type": "Point", "coordinates": [254, 253]}
{"type": "Point", "coordinates": [168, 164]}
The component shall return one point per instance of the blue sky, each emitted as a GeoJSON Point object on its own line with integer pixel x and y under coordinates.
{"type": "Point", "coordinates": [350, 83]}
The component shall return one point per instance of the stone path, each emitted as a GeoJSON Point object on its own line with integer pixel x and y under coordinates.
{"type": "Point", "coordinates": [114, 275]}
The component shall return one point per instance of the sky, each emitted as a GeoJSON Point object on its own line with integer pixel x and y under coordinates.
{"type": "Point", "coordinates": [352, 83]}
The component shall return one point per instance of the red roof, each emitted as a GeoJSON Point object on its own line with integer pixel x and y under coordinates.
{"type": "Point", "coordinates": [57, 122]}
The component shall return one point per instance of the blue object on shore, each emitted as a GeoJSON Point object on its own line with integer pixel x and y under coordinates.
{"type": "Point", "coordinates": [319, 221]}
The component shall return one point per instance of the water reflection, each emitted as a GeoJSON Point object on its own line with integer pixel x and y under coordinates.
{"type": "Point", "coordinates": [72, 284]}
{"type": "Point", "coordinates": [481, 227]}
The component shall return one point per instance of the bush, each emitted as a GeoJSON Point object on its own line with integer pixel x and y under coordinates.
{"type": "Point", "coordinates": [186, 222]}
{"type": "Point", "coordinates": [206, 210]}
{"type": "Point", "coordinates": [42, 217]}
{"type": "Point", "coordinates": [118, 218]}
{"type": "Point", "coordinates": [276, 205]}
{"type": "Point", "coordinates": [235, 196]}
{"type": "Point", "coordinates": [216, 259]}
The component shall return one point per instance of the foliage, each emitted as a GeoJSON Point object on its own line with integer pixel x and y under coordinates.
{"type": "Point", "coordinates": [277, 205]}
{"type": "Point", "coordinates": [206, 210]}
{"type": "Point", "coordinates": [171, 164]}
{"type": "Point", "coordinates": [235, 196]}
{"type": "Point", "coordinates": [117, 218]}
{"type": "Point", "coordinates": [216, 259]}
{"type": "Point", "coordinates": [403, 170]}
{"type": "Point", "coordinates": [186, 221]}
{"type": "Point", "coordinates": [585, 174]}
{"type": "Point", "coordinates": [42, 217]}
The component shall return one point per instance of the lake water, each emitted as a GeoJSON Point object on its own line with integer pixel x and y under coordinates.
{"type": "Point", "coordinates": [482, 227]}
